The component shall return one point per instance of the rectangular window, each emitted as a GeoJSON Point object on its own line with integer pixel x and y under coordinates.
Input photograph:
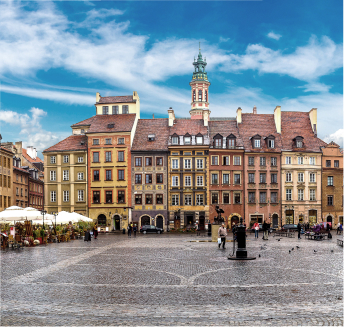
{"type": "Point", "coordinates": [159, 199]}
{"type": "Point", "coordinates": [288, 177]}
{"type": "Point", "coordinates": [312, 160]}
{"type": "Point", "coordinates": [237, 198]}
{"type": "Point", "coordinates": [251, 197]}
{"type": "Point", "coordinates": [199, 180]}
{"type": "Point", "coordinates": [251, 177]}
{"type": "Point", "coordinates": [96, 197]}
{"type": "Point", "coordinates": [273, 178]}
{"type": "Point", "coordinates": [95, 141]}
{"type": "Point", "coordinates": [159, 178]}
{"type": "Point", "coordinates": [175, 199]}
{"type": "Point", "coordinates": [149, 199]}
{"type": "Point", "coordinates": [108, 141]}
{"type": "Point", "coordinates": [175, 163]}
{"type": "Point", "coordinates": [214, 198]}
{"type": "Point", "coordinates": [121, 175]}
{"type": "Point", "coordinates": [53, 196]}
{"type": "Point", "coordinates": [336, 163]}
{"type": "Point", "coordinates": [115, 110]}
{"type": "Point", "coordinates": [121, 156]}
{"type": "Point", "coordinates": [187, 163]}
{"type": "Point", "coordinates": [262, 197]}
{"type": "Point", "coordinates": [199, 140]}
{"type": "Point", "coordinates": [159, 161]}
{"type": "Point", "coordinates": [273, 197]}
{"type": "Point", "coordinates": [187, 140]}
{"type": "Point", "coordinates": [138, 198]}
{"type": "Point", "coordinates": [80, 159]}
{"type": "Point", "coordinates": [288, 194]}
{"type": "Point", "coordinates": [214, 179]}
{"type": "Point", "coordinates": [225, 179]}
{"type": "Point", "coordinates": [95, 156]}
{"type": "Point", "coordinates": [66, 175]}
{"type": "Point", "coordinates": [108, 156]}
{"type": "Point", "coordinates": [312, 177]}
{"type": "Point", "coordinates": [175, 139]}
{"type": "Point", "coordinates": [225, 197]}
{"type": "Point", "coordinates": [257, 143]}
{"type": "Point", "coordinates": [53, 159]}
{"type": "Point", "coordinates": [300, 194]}
{"type": "Point", "coordinates": [251, 161]}
{"type": "Point", "coordinates": [330, 200]}
{"type": "Point", "coordinates": [262, 161]}
{"type": "Point", "coordinates": [80, 195]}
{"type": "Point", "coordinates": [80, 176]}
{"type": "Point", "coordinates": [187, 199]}
{"type": "Point", "coordinates": [225, 160]}
{"type": "Point", "coordinates": [237, 161]}
{"type": "Point", "coordinates": [175, 180]}
{"type": "Point", "coordinates": [148, 178]}
{"type": "Point", "coordinates": [199, 163]}
{"type": "Point", "coordinates": [65, 196]}
{"type": "Point", "coordinates": [199, 200]}
{"type": "Point", "coordinates": [187, 180]}
{"type": "Point", "coordinates": [271, 143]}
{"type": "Point", "coordinates": [214, 160]}
{"type": "Point", "coordinates": [273, 161]}
{"type": "Point", "coordinates": [300, 177]}
{"type": "Point", "coordinates": [300, 160]}
{"type": "Point", "coordinates": [148, 161]}
{"type": "Point", "coordinates": [125, 109]}
{"type": "Point", "coordinates": [312, 195]}
{"type": "Point", "coordinates": [328, 163]}
{"type": "Point", "coordinates": [237, 179]}
{"type": "Point", "coordinates": [138, 179]}
{"type": "Point", "coordinates": [96, 175]}
{"type": "Point", "coordinates": [262, 178]}
{"type": "Point", "coordinates": [138, 162]}
{"type": "Point", "coordinates": [105, 110]}
{"type": "Point", "coordinates": [120, 140]}
{"type": "Point", "coordinates": [218, 143]}
{"type": "Point", "coordinates": [329, 180]}
{"type": "Point", "coordinates": [52, 175]}
{"type": "Point", "coordinates": [288, 160]}
{"type": "Point", "coordinates": [108, 196]}
{"type": "Point", "coordinates": [121, 196]}
{"type": "Point", "coordinates": [65, 159]}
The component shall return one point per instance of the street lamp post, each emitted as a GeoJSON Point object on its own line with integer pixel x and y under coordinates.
{"type": "Point", "coordinates": [55, 214]}
{"type": "Point", "coordinates": [43, 212]}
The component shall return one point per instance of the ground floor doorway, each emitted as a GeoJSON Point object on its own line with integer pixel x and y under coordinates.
{"type": "Point", "coordinates": [312, 214]}
{"type": "Point", "coordinates": [145, 220]}
{"type": "Point", "coordinates": [177, 224]}
{"type": "Point", "coordinates": [234, 221]}
{"type": "Point", "coordinates": [160, 222]}
{"type": "Point", "coordinates": [189, 219]}
{"type": "Point", "coordinates": [116, 222]}
{"type": "Point", "coordinates": [201, 223]}
{"type": "Point", "coordinates": [275, 220]}
{"type": "Point", "coordinates": [330, 220]}
{"type": "Point", "coordinates": [289, 217]}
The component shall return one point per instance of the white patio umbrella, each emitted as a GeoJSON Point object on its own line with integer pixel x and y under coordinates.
{"type": "Point", "coordinates": [14, 208]}
{"type": "Point", "coordinates": [79, 217]}
{"type": "Point", "coordinates": [23, 214]}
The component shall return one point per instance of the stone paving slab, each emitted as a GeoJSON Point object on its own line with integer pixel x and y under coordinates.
{"type": "Point", "coordinates": [171, 280]}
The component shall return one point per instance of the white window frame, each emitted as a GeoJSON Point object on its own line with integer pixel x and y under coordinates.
{"type": "Point", "coordinates": [288, 177]}
{"type": "Point", "coordinates": [237, 161]}
{"type": "Point", "coordinates": [66, 175]}
{"type": "Point", "coordinates": [312, 160]}
{"type": "Point", "coordinates": [300, 194]}
{"type": "Point", "coordinates": [199, 163]}
{"type": "Point", "coordinates": [175, 200]}
{"type": "Point", "coordinates": [175, 140]}
{"type": "Point", "coordinates": [188, 200]}
{"type": "Point", "coordinates": [300, 160]}
{"type": "Point", "coordinates": [52, 196]}
{"type": "Point", "coordinates": [199, 180]}
{"type": "Point", "coordinates": [53, 175]}
{"type": "Point", "coordinates": [175, 163]}
{"type": "Point", "coordinates": [65, 159]}
{"type": "Point", "coordinates": [175, 180]}
{"type": "Point", "coordinates": [80, 195]}
{"type": "Point", "coordinates": [271, 144]}
{"type": "Point", "coordinates": [223, 179]}
{"type": "Point", "coordinates": [312, 177]}
{"type": "Point", "coordinates": [52, 159]}
{"type": "Point", "coordinates": [187, 163]}
{"type": "Point", "coordinates": [257, 143]}
{"type": "Point", "coordinates": [187, 180]}
{"type": "Point", "coordinates": [80, 159]}
{"type": "Point", "coordinates": [312, 196]}
{"type": "Point", "coordinates": [199, 199]}
{"type": "Point", "coordinates": [187, 140]}
{"type": "Point", "coordinates": [216, 160]}
{"type": "Point", "coordinates": [65, 196]}
{"type": "Point", "coordinates": [80, 176]}
{"type": "Point", "coordinates": [288, 160]}
{"type": "Point", "coordinates": [288, 194]}
{"type": "Point", "coordinates": [300, 177]}
{"type": "Point", "coordinates": [199, 139]}
{"type": "Point", "coordinates": [273, 161]}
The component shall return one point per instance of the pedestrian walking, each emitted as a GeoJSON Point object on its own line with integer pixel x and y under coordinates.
{"type": "Point", "coordinates": [129, 231]}
{"type": "Point", "coordinates": [299, 227]}
{"type": "Point", "coordinates": [95, 231]}
{"type": "Point", "coordinates": [222, 233]}
{"type": "Point", "coordinates": [265, 230]}
{"type": "Point", "coordinates": [338, 228]}
{"type": "Point", "coordinates": [256, 229]}
{"type": "Point", "coordinates": [135, 230]}
{"type": "Point", "coordinates": [328, 230]}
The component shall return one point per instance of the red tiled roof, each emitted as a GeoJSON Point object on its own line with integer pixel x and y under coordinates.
{"type": "Point", "coordinates": [145, 127]}
{"type": "Point", "coordinates": [7, 150]}
{"type": "Point", "coordinates": [225, 128]}
{"type": "Point", "coordinates": [262, 124]}
{"type": "Point", "coordinates": [21, 169]}
{"type": "Point", "coordinates": [28, 158]}
{"type": "Point", "coordinates": [121, 123]}
{"type": "Point", "coordinates": [71, 143]}
{"type": "Point", "coordinates": [295, 123]}
{"type": "Point", "coordinates": [191, 126]}
{"type": "Point", "coordinates": [86, 122]}
{"type": "Point", "coordinates": [117, 99]}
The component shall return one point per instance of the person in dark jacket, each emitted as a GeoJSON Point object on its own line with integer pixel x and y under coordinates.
{"type": "Point", "coordinates": [266, 227]}
{"type": "Point", "coordinates": [299, 230]}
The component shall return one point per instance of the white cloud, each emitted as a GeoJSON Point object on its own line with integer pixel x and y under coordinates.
{"type": "Point", "coordinates": [224, 39]}
{"type": "Point", "coordinates": [316, 87]}
{"type": "Point", "coordinates": [274, 36]}
{"type": "Point", "coordinates": [336, 137]}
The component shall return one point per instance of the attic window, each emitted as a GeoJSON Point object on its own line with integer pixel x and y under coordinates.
{"type": "Point", "coordinates": [299, 141]}
{"type": "Point", "coordinates": [151, 137]}
{"type": "Point", "coordinates": [82, 131]}
{"type": "Point", "coordinates": [82, 142]}
{"type": "Point", "coordinates": [111, 125]}
{"type": "Point", "coordinates": [270, 141]}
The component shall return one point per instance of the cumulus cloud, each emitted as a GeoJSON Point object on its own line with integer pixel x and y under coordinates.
{"type": "Point", "coordinates": [224, 39]}
{"type": "Point", "coordinates": [336, 137]}
{"type": "Point", "coordinates": [274, 36]}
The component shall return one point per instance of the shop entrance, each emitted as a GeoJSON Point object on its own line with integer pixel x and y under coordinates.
{"type": "Point", "coordinates": [329, 220]}
{"type": "Point", "coordinates": [189, 220]}
{"type": "Point", "coordinates": [201, 222]}
{"type": "Point", "coordinates": [274, 220]}
{"type": "Point", "coordinates": [145, 220]}
{"type": "Point", "coordinates": [117, 222]}
{"type": "Point", "coordinates": [289, 217]}
{"type": "Point", "coordinates": [160, 222]}
{"type": "Point", "coordinates": [234, 221]}
{"type": "Point", "coordinates": [312, 214]}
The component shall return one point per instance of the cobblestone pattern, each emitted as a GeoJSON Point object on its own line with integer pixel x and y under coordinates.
{"type": "Point", "coordinates": [168, 280]}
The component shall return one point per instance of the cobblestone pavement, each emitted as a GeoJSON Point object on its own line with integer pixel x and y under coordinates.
{"type": "Point", "coordinates": [173, 280]}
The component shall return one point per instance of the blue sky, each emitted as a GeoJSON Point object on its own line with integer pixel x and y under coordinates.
{"type": "Point", "coordinates": [56, 55]}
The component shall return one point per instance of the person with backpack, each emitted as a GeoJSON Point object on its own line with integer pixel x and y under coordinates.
{"type": "Point", "coordinates": [256, 229]}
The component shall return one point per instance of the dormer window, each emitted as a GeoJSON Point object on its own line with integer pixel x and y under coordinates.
{"type": "Point", "coordinates": [256, 141]}
{"type": "Point", "coordinates": [199, 139]}
{"type": "Point", "coordinates": [111, 125]}
{"type": "Point", "coordinates": [187, 140]}
{"type": "Point", "coordinates": [151, 137]}
{"type": "Point", "coordinates": [175, 139]}
{"type": "Point", "coordinates": [298, 141]}
{"type": "Point", "coordinates": [231, 141]}
{"type": "Point", "coordinates": [270, 141]}
{"type": "Point", "coordinates": [105, 110]}
{"type": "Point", "coordinates": [299, 144]}
{"type": "Point", "coordinates": [218, 141]}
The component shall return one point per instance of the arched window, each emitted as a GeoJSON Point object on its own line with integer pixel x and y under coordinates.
{"type": "Point", "coordinates": [194, 96]}
{"type": "Point", "coordinates": [200, 95]}
{"type": "Point", "coordinates": [205, 96]}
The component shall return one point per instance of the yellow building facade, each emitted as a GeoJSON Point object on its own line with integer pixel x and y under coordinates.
{"type": "Point", "coordinates": [6, 178]}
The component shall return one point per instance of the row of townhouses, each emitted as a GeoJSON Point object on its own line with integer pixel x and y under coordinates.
{"type": "Point", "coordinates": [173, 172]}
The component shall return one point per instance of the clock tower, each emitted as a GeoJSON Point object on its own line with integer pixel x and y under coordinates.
{"type": "Point", "coordinates": [199, 89]}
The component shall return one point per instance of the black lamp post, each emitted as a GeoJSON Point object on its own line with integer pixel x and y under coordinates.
{"type": "Point", "coordinates": [43, 212]}
{"type": "Point", "coordinates": [55, 214]}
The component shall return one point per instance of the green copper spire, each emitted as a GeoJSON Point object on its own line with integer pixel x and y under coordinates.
{"type": "Point", "coordinates": [200, 74]}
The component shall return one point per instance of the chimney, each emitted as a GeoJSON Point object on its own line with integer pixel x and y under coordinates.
{"type": "Point", "coordinates": [255, 110]}
{"type": "Point", "coordinates": [153, 116]}
{"type": "Point", "coordinates": [171, 117]}
{"type": "Point", "coordinates": [239, 117]}
{"type": "Point", "coordinates": [313, 119]}
{"type": "Point", "coordinates": [97, 97]}
{"type": "Point", "coordinates": [277, 117]}
{"type": "Point", "coordinates": [31, 151]}
{"type": "Point", "coordinates": [206, 115]}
